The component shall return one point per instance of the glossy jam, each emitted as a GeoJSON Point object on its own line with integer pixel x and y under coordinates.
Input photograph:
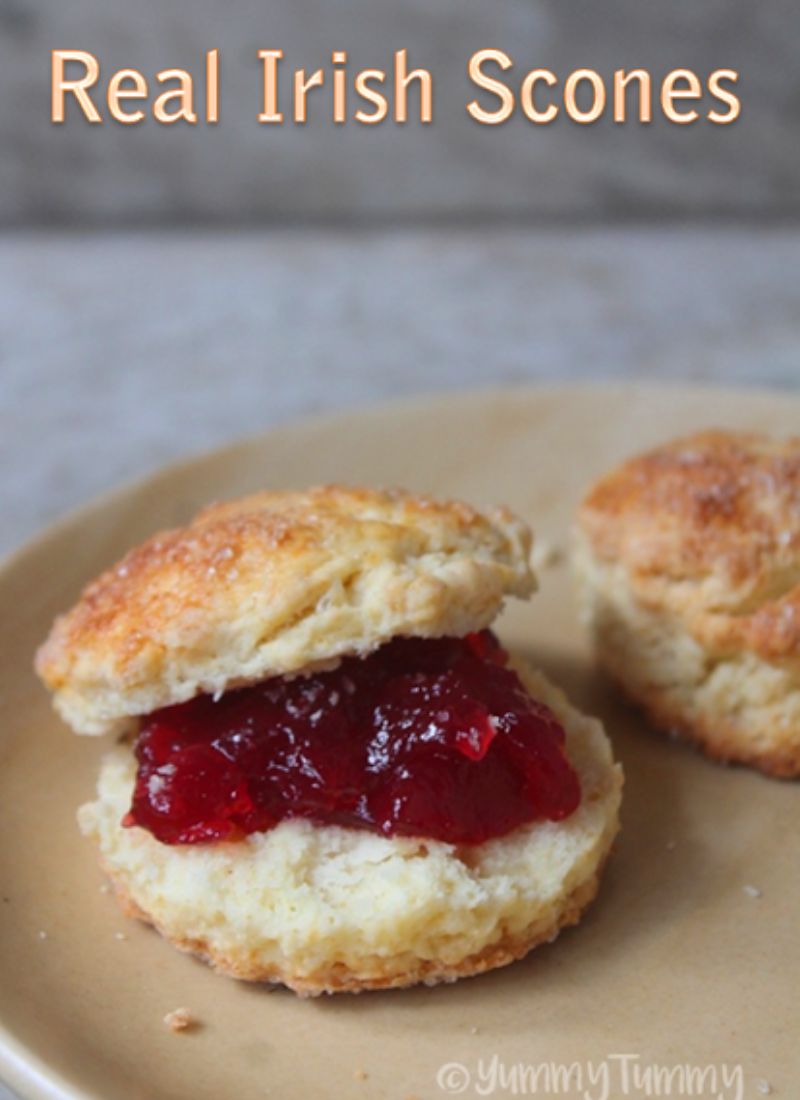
{"type": "Point", "coordinates": [428, 738]}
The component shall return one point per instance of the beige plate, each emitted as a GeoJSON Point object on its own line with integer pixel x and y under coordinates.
{"type": "Point", "coordinates": [676, 963]}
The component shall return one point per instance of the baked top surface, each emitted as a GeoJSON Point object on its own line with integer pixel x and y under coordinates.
{"type": "Point", "coordinates": [716, 502]}
{"type": "Point", "coordinates": [708, 527]}
{"type": "Point", "coordinates": [275, 583]}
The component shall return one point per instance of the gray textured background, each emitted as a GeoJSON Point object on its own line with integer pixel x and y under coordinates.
{"type": "Point", "coordinates": [164, 289]}
{"type": "Point", "coordinates": [122, 352]}
{"type": "Point", "coordinates": [454, 169]}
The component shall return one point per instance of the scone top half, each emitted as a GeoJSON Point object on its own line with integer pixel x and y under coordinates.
{"type": "Point", "coordinates": [276, 584]}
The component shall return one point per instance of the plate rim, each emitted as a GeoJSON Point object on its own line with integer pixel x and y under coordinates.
{"type": "Point", "coordinates": [27, 1074]}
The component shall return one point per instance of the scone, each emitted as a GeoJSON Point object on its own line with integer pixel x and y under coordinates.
{"type": "Point", "coordinates": [328, 772]}
{"type": "Point", "coordinates": [688, 560]}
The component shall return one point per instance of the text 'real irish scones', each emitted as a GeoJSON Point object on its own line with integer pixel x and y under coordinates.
{"type": "Point", "coordinates": [688, 562]}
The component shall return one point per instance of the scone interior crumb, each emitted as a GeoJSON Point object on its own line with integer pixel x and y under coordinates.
{"type": "Point", "coordinates": [326, 908]}
{"type": "Point", "coordinates": [734, 704]}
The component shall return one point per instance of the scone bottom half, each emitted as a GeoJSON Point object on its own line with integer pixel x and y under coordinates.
{"type": "Point", "coordinates": [687, 559]}
{"type": "Point", "coordinates": [406, 803]}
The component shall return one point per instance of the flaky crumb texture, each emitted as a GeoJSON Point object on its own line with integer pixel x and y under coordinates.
{"type": "Point", "coordinates": [325, 909]}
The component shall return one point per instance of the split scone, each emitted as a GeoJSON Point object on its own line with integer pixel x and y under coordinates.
{"type": "Point", "coordinates": [688, 561]}
{"type": "Point", "coordinates": [328, 772]}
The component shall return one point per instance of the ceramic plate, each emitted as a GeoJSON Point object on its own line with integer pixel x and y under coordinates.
{"type": "Point", "coordinates": [677, 967]}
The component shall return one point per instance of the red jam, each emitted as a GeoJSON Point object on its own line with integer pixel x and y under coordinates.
{"type": "Point", "coordinates": [429, 738]}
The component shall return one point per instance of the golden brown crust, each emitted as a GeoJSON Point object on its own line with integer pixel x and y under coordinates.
{"type": "Point", "coordinates": [338, 979]}
{"type": "Point", "coordinates": [277, 583]}
{"type": "Point", "coordinates": [717, 504]}
{"type": "Point", "coordinates": [707, 528]}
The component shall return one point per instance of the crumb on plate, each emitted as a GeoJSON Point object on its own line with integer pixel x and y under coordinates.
{"type": "Point", "coordinates": [545, 555]}
{"type": "Point", "coordinates": [179, 1019]}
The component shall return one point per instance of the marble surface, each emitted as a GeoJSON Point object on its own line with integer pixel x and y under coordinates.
{"type": "Point", "coordinates": [120, 353]}
{"type": "Point", "coordinates": [454, 168]}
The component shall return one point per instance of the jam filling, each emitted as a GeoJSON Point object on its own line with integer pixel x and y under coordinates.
{"type": "Point", "coordinates": [433, 738]}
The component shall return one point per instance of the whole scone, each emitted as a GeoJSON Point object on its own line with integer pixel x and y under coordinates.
{"type": "Point", "coordinates": [688, 563]}
{"type": "Point", "coordinates": [267, 622]}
